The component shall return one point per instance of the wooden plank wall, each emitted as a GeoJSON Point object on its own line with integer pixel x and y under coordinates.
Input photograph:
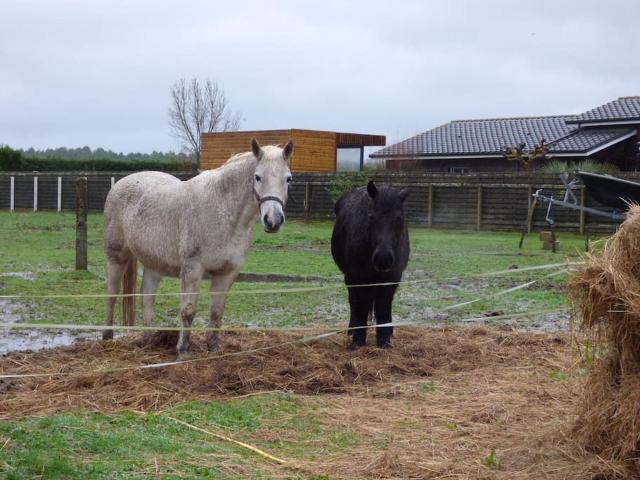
{"type": "Point", "coordinates": [314, 151]}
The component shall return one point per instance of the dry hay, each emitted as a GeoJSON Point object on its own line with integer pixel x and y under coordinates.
{"type": "Point", "coordinates": [607, 293]}
{"type": "Point", "coordinates": [324, 366]}
{"type": "Point", "coordinates": [494, 388]}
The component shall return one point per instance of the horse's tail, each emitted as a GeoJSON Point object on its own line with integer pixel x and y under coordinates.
{"type": "Point", "coordinates": [128, 289]}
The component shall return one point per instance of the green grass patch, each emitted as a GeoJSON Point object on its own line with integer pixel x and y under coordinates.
{"type": "Point", "coordinates": [44, 243]}
{"type": "Point", "coordinates": [130, 445]}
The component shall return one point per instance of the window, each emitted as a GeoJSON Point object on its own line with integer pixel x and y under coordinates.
{"type": "Point", "coordinates": [458, 170]}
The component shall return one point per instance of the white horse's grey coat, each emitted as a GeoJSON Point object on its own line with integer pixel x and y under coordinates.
{"type": "Point", "coordinates": [194, 229]}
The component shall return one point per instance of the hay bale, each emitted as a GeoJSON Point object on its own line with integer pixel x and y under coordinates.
{"type": "Point", "coordinates": [607, 293]}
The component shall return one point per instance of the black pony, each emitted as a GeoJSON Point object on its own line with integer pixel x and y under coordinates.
{"type": "Point", "coordinates": [370, 244]}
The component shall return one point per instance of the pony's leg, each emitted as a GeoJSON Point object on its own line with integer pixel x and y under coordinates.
{"type": "Point", "coordinates": [382, 308]}
{"type": "Point", "coordinates": [360, 303]}
{"type": "Point", "coordinates": [115, 271]}
{"type": "Point", "coordinates": [150, 281]}
{"type": "Point", "coordinates": [220, 285]}
{"type": "Point", "coordinates": [190, 277]}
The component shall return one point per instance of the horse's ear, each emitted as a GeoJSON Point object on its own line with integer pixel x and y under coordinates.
{"type": "Point", "coordinates": [372, 190]}
{"type": "Point", "coordinates": [287, 151]}
{"type": "Point", "coordinates": [256, 149]}
{"type": "Point", "coordinates": [404, 193]}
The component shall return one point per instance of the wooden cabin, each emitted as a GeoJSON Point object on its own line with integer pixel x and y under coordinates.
{"type": "Point", "coordinates": [314, 150]}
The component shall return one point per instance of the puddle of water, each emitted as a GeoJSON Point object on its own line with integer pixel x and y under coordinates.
{"type": "Point", "coordinates": [14, 340]}
{"type": "Point", "coordinates": [22, 275]}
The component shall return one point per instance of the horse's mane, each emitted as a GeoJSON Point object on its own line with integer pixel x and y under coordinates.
{"type": "Point", "coordinates": [236, 157]}
{"type": "Point", "coordinates": [241, 156]}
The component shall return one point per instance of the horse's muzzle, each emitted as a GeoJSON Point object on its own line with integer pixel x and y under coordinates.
{"type": "Point", "coordinates": [272, 223]}
{"type": "Point", "coordinates": [383, 260]}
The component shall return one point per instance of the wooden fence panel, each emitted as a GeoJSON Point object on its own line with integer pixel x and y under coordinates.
{"type": "Point", "coordinates": [24, 192]}
{"type": "Point", "coordinates": [5, 192]}
{"type": "Point", "coordinates": [47, 192]}
{"type": "Point", "coordinates": [503, 198]}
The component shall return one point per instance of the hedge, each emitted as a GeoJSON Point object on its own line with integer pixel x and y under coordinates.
{"type": "Point", "coordinates": [14, 161]}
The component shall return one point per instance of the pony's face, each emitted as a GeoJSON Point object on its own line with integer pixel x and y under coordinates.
{"type": "Point", "coordinates": [386, 224]}
{"type": "Point", "coordinates": [271, 182]}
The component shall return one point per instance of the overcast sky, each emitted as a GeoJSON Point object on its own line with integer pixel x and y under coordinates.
{"type": "Point", "coordinates": [97, 73]}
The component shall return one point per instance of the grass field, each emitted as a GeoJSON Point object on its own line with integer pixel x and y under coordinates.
{"type": "Point", "coordinates": [443, 261]}
{"type": "Point", "coordinates": [392, 422]}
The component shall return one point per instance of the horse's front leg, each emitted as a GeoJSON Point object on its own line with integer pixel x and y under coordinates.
{"type": "Point", "coordinates": [383, 307]}
{"type": "Point", "coordinates": [220, 285]}
{"type": "Point", "coordinates": [115, 271]}
{"type": "Point", "coordinates": [360, 303]}
{"type": "Point", "coordinates": [190, 277]}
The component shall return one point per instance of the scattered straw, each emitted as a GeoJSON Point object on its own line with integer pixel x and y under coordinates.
{"type": "Point", "coordinates": [430, 407]}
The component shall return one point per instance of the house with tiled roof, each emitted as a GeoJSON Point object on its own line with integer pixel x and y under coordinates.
{"type": "Point", "coordinates": [609, 133]}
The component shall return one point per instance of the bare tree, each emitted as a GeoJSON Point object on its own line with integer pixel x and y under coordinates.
{"type": "Point", "coordinates": [198, 108]}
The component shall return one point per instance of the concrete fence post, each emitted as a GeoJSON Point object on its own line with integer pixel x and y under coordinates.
{"type": "Point", "coordinates": [59, 194]}
{"type": "Point", "coordinates": [35, 194]}
{"type": "Point", "coordinates": [12, 194]}
{"type": "Point", "coordinates": [113, 181]}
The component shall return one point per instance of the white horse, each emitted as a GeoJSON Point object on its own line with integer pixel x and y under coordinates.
{"type": "Point", "coordinates": [194, 229]}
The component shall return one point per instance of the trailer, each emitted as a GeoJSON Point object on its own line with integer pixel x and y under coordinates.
{"type": "Point", "coordinates": [616, 193]}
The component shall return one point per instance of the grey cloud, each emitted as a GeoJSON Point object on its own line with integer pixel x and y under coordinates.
{"type": "Point", "coordinates": [98, 73]}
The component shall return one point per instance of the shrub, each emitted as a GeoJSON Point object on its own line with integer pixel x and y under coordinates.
{"type": "Point", "coordinates": [588, 165]}
{"type": "Point", "coordinates": [10, 159]}
{"type": "Point", "coordinates": [345, 181]}
{"type": "Point", "coordinates": [53, 164]}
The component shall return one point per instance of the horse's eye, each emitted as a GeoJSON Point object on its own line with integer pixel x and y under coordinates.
{"type": "Point", "coordinates": [258, 178]}
{"type": "Point", "coordinates": [289, 179]}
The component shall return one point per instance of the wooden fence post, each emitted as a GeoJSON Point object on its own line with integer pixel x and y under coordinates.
{"type": "Point", "coordinates": [430, 206]}
{"type": "Point", "coordinates": [81, 223]}
{"type": "Point", "coordinates": [308, 191]}
{"type": "Point", "coordinates": [531, 205]}
{"type": "Point", "coordinates": [479, 209]}
{"type": "Point", "coordinates": [582, 213]}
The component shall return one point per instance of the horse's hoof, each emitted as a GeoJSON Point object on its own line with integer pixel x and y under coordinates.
{"type": "Point", "coordinates": [213, 343]}
{"type": "Point", "coordinates": [107, 335]}
{"type": "Point", "coordinates": [384, 344]}
{"type": "Point", "coordinates": [356, 345]}
{"type": "Point", "coordinates": [183, 356]}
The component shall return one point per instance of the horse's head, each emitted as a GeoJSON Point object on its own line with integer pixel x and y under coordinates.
{"type": "Point", "coordinates": [386, 224]}
{"type": "Point", "coordinates": [271, 182]}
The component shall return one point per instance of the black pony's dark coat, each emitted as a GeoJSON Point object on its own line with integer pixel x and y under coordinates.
{"type": "Point", "coordinates": [371, 220]}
